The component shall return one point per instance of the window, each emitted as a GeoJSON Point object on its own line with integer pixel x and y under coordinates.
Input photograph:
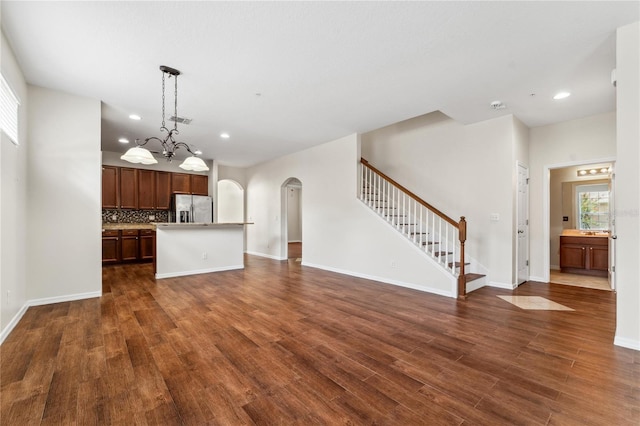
{"type": "Point", "coordinates": [593, 206]}
{"type": "Point", "coordinates": [8, 111]}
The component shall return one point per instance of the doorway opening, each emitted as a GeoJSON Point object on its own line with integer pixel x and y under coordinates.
{"type": "Point", "coordinates": [581, 225]}
{"type": "Point", "coordinates": [291, 244]}
{"type": "Point", "coordinates": [230, 202]}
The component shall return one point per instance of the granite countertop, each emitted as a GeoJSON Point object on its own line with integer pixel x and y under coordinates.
{"type": "Point", "coordinates": [121, 226]}
{"type": "Point", "coordinates": [579, 233]}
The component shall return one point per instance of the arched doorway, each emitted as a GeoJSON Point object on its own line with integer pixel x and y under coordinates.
{"type": "Point", "coordinates": [230, 201]}
{"type": "Point", "coordinates": [292, 220]}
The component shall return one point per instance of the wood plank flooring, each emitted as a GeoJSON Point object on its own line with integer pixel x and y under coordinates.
{"type": "Point", "coordinates": [278, 343]}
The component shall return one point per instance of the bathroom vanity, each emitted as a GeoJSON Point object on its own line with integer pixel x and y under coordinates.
{"type": "Point", "coordinates": [584, 252]}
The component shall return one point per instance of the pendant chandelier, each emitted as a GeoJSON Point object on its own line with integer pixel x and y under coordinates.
{"type": "Point", "coordinates": [138, 154]}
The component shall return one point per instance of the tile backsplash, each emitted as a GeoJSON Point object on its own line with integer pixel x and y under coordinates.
{"type": "Point", "coordinates": [134, 216]}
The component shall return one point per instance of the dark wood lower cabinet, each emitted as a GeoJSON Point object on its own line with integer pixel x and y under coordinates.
{"type": "Point", "coordinates": [110, 246]}
{"type": "Point", "coordinates": [584, 255]}
{"type": "Point", "coordinates": [147, 244]}
{"type": "Point", "coordinates": [128, 245]}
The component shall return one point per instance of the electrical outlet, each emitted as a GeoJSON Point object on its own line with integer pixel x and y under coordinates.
{"type": "Point", "coordinates": [393, 264]}
{"type": "Point", "coordinates": [114, 217]}
{"type": "Point", "coordinates": [152, 217]}
{"type": "Point", "coordinates": [204, 255]}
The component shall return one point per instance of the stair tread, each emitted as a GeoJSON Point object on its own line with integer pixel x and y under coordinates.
{"type": "Point", "coordinates": [471, 277]}
{"type": "Point", "coordinates": [430, 243]}
{"type": "Point", "coordinates": [458, 264]}
{"type": "Point", "coordinates": [442, 253]}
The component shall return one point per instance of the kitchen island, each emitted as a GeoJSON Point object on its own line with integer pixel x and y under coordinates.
{"type": "Point", "coordinates": [198, 248]}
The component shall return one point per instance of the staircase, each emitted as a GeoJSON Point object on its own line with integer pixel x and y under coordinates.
{"type": "Point", "coordinates": [436, 234]}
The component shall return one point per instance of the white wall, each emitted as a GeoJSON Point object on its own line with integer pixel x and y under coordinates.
{"type": "Point", "coordinates": [586, 140]}
{"type": "Point", "coordinates": [340, 233]}
{"type": "Point", "coordinates": [13, 203]}
{"type": "Point", "coordinates": [64, 196]}
{"type": "Point", "coordinates": [628, 186]}
{"type": "Point", "coordinates": [461, 170]}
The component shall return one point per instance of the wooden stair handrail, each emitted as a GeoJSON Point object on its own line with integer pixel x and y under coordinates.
{"type": "Point", "coordinates": [411, 194]}
{"type": "Point", "coordinates": [461, 225]}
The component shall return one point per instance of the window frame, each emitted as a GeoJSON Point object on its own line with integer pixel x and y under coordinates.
{"type": "Point", "coordinates": [9, 111]}
{"type": "Point", "coordinates": [593, 188]}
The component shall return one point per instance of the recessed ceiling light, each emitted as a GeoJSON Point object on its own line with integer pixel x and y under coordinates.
{"type": "Point", "coordinates": [135, 117]}
{"type": "Point", "coordinates": [123, 140]}
{"type": "Point", "coordinates": [561, 95]}
{"type": "Point", "coordinates": [224, 135]}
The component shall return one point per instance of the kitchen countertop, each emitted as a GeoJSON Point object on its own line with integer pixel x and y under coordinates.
{"type": "Point", "coordinates": [154, 225]}
{"type": "Point", "coordinates": [196, 225]}
{"type": "Point", "coordinates": [121, 226]}
{"type": "Point", "coordinates": [579, 233]}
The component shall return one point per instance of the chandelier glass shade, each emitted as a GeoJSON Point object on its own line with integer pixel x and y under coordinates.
{"type": "Point", "coordinates": [141, 155]}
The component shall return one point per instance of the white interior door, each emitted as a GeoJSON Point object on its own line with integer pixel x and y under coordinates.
{"type": "Point", "coordinates": [612, 231]}
{"type": "Point", "coordinates": [523, 225]}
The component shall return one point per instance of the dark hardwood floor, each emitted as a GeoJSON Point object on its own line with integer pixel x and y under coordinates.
{"type": "Point", "coordinates": [278, 343]}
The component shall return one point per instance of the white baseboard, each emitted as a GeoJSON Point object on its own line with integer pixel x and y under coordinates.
{"type": "Point", "coordinates": [506, 286]}
{"type": "Point", "coordinates": [43, 301]}
{"type": "Point", "coordinates": [627, 343]}
{"type": "Point", "coordinates": [268, 256]}
{"type": "Point", "coordinates": [198, 271]}
{"type": "Point", "coordinates": [14, 321]}
{"type": "Point", "coordinates": [66, 298]}
{"type": "Point", "coordinates": [295, 241]}
{"type": "Point", "coordinates": [432, 290]}
{"type": "Point", "coordinates": [538, 279]}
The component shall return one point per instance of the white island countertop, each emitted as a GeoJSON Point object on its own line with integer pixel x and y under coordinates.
{"type": "Point", "coordinates": [196, 225]}
{"type": "Point", "coordinates": [198, 248]}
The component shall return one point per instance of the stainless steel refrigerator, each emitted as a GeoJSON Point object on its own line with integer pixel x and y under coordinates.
{"type": "Point", "coordinates": [187, 208]}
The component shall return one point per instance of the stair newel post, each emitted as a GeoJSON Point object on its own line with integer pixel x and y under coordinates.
{"type": "Point", "coordinates": [462, 236]}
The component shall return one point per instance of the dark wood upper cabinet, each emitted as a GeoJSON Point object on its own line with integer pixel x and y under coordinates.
{"type": "Point", "coordinates": [109, 187]}
{"type": "Point", "coordinates": [146, 189]}
{"type": "Point", "coordinates": [181, 183]}
{"type": "Point", "coordinates": [200, 184]}
{"type": "Point", "coordinates": [128, 188]}
{"type": "Point", "coordinates": [163, 190]}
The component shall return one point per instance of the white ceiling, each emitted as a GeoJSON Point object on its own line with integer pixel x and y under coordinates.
{"type": "Point", "coordinates": [322, 70]}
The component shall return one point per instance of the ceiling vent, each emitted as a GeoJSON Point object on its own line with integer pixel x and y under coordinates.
{"type": "Point", "coordinates": [181, 120]}
{"type": "Point", "coordinates": [497, 105]}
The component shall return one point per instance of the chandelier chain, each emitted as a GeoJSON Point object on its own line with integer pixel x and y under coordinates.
{"type": "Point", "coordinates": [163, 126]}
{"type": "Point", "coordinates": [175, 106]}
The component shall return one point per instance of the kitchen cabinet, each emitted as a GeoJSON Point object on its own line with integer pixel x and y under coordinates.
{"type": "Point", "coordinates": [110, 246]}
{"type": "Point", "coordinates": [128, 188]}
{"type": "Point", "coordinates": [163, 190]}
{"type": "Point", "coordinates": [181, 183]}
{"type": "Point", "coordinates": [584, 255]}
{"type": "Point", "coordinates": [110, 184]}
{"type": "Point", "coordinates": [147, 244]}
{"type": "Point", "coordinates": [146, 189]}
{"type": "Point", "coordinates": [200, 184]}
{"type": "Point", "coordinates": [128, 245]}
